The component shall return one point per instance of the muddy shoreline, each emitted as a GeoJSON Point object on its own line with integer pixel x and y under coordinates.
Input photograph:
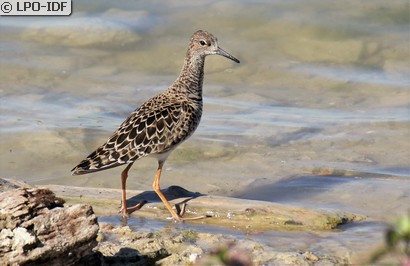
{"type": "Point", "coordinates": [123, 241]}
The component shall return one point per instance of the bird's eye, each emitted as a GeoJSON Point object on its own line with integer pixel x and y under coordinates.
{"type": "Point", "coordinates": [202, 42]}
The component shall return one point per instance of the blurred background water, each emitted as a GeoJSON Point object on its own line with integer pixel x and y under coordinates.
{"type": "Point", "coordinates": [317, 113]}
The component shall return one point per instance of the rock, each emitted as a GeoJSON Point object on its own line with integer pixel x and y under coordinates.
{"type": "Point", "coordinates": [35, 228]}
{"type": "Point", "coordinates": [22, 239]}
{"type": "Point", "coordinates": [176, 247]}
{"type": "Point", "coordinates": [310, 256]}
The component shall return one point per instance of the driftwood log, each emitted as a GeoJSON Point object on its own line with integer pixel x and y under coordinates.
{"type": "Point", "coordinates": [35, 228]}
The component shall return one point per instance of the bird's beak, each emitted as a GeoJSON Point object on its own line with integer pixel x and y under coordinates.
{"type": "Point", "coordinates": [220, 51]}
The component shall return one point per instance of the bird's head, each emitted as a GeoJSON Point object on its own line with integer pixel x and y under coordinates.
{"type": "Point", "coordinates": [204, 43]}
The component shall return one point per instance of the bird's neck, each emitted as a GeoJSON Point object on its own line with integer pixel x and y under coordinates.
{"type": "Point", "coordinates": [191, 78]}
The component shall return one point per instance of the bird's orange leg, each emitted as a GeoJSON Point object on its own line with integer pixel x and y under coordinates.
{"type": "Point", "coordinates": [177, 217]}
{"type": "Point", "coordinates": [157, 189]}
{"type": "Point", "coordinates": [124, 210]}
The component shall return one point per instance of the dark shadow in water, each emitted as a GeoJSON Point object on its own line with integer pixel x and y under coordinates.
{"type": "Point", "coordinates": [291, 189]}
{"type": "Point", "coordinates": [171, 193]}
{"type": "Point", "coordinates": [397, 172]}
{"type": "Point", "coordinates": [361, 225]}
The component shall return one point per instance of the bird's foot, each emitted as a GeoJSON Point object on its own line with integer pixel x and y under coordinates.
{"type": "Point", "coordinates": [181, 209]}
{"type": "Point", "coordinates": [126, 211]}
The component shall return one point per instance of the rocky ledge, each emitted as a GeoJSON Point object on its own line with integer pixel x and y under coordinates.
{"type": "Point", "coordinates": [36, 228]}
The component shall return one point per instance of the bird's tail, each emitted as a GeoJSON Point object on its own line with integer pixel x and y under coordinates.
{"type": "Point", "coordinates": [99, 160]}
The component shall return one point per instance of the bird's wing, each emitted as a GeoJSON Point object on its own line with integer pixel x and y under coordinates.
{"type": "Point", "coordinates": [146, 131]}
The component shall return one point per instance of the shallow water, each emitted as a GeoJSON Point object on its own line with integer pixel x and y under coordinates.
{"type": "Point", "coordinates": [322, 88]}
